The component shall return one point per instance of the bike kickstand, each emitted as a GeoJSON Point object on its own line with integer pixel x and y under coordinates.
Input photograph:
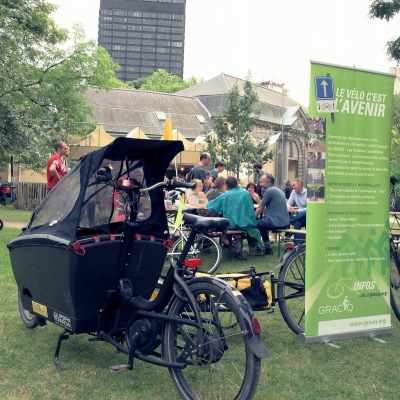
{"type": "Point", "coordinates": [64, 335]}
{"type": "Point", "coordinates": [132, 350]}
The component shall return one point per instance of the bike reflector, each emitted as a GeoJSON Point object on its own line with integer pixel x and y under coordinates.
{"type": "Point", "coordinates": [193, 262]}
{"type": "Point", "coordinates": [256, 326]}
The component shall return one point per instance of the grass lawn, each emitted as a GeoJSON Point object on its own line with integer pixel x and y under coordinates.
{"type": "Point", "coordinates": [361, 368]}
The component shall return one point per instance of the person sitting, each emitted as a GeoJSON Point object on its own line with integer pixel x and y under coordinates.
{"type": "Point", "coordinates": [196, 197]}
{"type": "Point", "coordinates": [252, 189]}
{"type": "Point", "coordinates": [297, 203]}
{"type": "Point", "coordinates": [218, 187]}
{"type": "Point", "coordinates": [276, 212]}
{"type": "Point", "coordinates": [236, 205]}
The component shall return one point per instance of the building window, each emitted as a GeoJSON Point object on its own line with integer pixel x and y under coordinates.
{"type": "Point", "coordinates": [149, 42]}
{"type": "Point", "coordinates": [149, 56]}
{"type": "Point", "coordinates": [133, 48]}
{"type": "Point", "coordinates": [177, 57]}
{"type": "Point", "coordinates": [164, 30]}
{"type": "Point", "coordinates": [150, 63]}
{"type": "Point", "coordinates": [133, 55]}
{"type": "Point", "coordinates": [134, 28]}
{"type": "Point", "coordinates": [149, 15]}
{"type": "Point", "coordinates": [133, 41]}
{"type": "Point", "coordinates": [177, 16]}
{"type": "Point", "coordinates": [176, 64]}
{"type": "Point", "coordinates": [162, 56]}
{"type": "Point", "coordinates": [148, 35]}
{"type": "Point", "coordinates": [149, 29]}
{"type": "Point", "coordinates": [123, 13]}
{"type": "Point", "coordinates": [163, 36]}
{"type": "Point", "coordinates": [106, 26]}
{"type": "Point", "coordinates": [164, 16]}
{"type": "Point", "coordinates": [149, 21]}
{"type": "Point", "coordinates": [177, 23]}
{"type": "Point", "coordinates": [164, 22]}
{"type": "Point", "coordinates": [162, 64]}
{"type": "Point", "coordinates": [146, 69]}
{"type": "Point", "coordinates": [119, 33]}
{"type": "Point", "coordinates": [121, 20]}
{"type": "Point", "coordinates": [149, 49]}
{"type": "Point", "coordinates": [163, 50]}
{"type": "Point", "coordinates": [176, 44]}
{"type": "Point", "coordinates": [135, 13]}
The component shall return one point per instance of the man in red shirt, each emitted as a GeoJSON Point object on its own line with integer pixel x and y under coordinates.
{"type": "Point", "coordinates": [55, 168]}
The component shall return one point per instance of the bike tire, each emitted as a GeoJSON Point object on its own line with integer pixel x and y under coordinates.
{"type": "Point", "coordinates": [1, 225]}
{"type": "Point", "coordinates": [228, 369]}
{"type": "Point", "coordinates": [291, 289]}
{"type": "Point", "coordinates": [31, 321]}
{"type": "Point", "coordinates": [204, 247]}
{"type": "Point", "coordinates": [395, 282]}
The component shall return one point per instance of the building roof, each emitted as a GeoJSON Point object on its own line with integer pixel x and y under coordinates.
{"type": "Point", "coordinates": [223, 83]}
{"type": "Point", "coordinates": [120, 111]}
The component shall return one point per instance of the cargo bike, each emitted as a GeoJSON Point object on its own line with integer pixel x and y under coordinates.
{"type": "Point", "coordinates": [90, 260]}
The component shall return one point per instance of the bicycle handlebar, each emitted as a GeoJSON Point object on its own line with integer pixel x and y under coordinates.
{"type": "Point", "coordinates": [169, 185]}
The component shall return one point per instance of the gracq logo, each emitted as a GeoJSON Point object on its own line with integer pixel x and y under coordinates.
{"type": "Point", "coordinates": [346, 306]}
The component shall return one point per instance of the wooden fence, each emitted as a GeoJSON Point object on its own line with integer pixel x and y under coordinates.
{"type": "Point", "coordinates": [29, 195]}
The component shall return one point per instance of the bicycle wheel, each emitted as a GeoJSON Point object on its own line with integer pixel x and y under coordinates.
{"type": "Point", "coordinates": [395, 282]}
{"type": "Point", "coordinates": [291, 287]}
{"type": "Point", "coordinates": [204, 247]}
{"type": "Point", "coordinates": [31, 321]}
{"type": "Point", "coordinates": [1, 225]}
{"type": "Point", "coordinates": [227, 369]}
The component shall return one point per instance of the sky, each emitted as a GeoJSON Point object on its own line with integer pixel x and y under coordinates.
{"type": "Point", "coordinates": [274, 40]}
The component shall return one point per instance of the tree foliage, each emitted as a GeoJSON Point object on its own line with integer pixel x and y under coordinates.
{"type": "Point", "coordinates": [162, 81]}
{"type": "Point", "coordinates": [42, 82]}
{"type": "Point", "coordinates": [233, 142]}
{"type": "Point", "coordinates": [387, 10]}
{"type": "Point", "coordinates": [395, 139]}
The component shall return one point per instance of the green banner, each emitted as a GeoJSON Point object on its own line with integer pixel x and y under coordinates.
{"type": "Point", "coordinates": [347, 263]}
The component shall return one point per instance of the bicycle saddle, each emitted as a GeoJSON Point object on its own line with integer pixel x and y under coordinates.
{"type": "Point", "coordinates": [199, 222]}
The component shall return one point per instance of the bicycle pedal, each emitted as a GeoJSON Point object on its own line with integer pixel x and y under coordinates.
{"type": "Point", "coordinates": [120, 368]}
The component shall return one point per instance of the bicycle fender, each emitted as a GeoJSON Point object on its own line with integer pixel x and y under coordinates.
{"type": "Point", "coordinates": [288, 254]}
{"type": "Point", "coordinates": [255, 341]}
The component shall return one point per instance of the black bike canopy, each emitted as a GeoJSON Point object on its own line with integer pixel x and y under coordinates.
{"type": "Point", "coordinates": [80, 205]}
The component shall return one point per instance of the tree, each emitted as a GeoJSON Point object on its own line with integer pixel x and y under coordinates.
{"type": "Point", "coordinates": [395, 139]}
{"type": "Point", "coordinates": [387, 10]}
{"type": "Point", "coordinates": [41, 81]}
{"type": "Point", "coordinates": [233, 142]}
{"type": "Point", "coordinates": [162, 81]}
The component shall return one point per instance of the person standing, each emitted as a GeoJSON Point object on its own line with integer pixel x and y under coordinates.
{"type": "Point", "coordinates": [259, 173]}
{"type": "Point", "coordinates": [219, 166]}
{"type": "Point", "coordinates": [55, 170]}
{"type": "Point", "coordinates": [297, 203]}
{"type": "Point", "coordinates": [288, 190]}
{"type": "Point", "coordinates": [199, 171]}
{"type": "Point", "coordinates": [276, 212]}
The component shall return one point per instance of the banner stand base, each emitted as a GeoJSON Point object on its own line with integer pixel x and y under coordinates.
{"type": "Point", "coordinates": [346, 335]}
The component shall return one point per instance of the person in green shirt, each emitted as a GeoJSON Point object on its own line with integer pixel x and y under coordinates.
{"type": "Point", "coordinates": [236, 205]}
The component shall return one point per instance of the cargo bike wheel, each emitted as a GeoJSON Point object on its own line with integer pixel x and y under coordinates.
{"type": "Point", "coordinates": [291, 289]}
{"type": "Point", "coordinates": [30, 320]}
{"type": "Point", "coordinates": [227, 368]}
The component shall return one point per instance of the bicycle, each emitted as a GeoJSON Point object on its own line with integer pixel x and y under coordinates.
{"type": "Point", "coordinates": [395, 264]}
{"type": "Point", "coordinates": [204, 246]}
{"type": "Point", "coordinates": [103, 283]}
{"type": "Point", "coordinates": [394, 198]}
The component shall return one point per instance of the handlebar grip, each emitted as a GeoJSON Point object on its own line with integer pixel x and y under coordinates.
{"type": "Point", "coordinates": [175, 185]}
